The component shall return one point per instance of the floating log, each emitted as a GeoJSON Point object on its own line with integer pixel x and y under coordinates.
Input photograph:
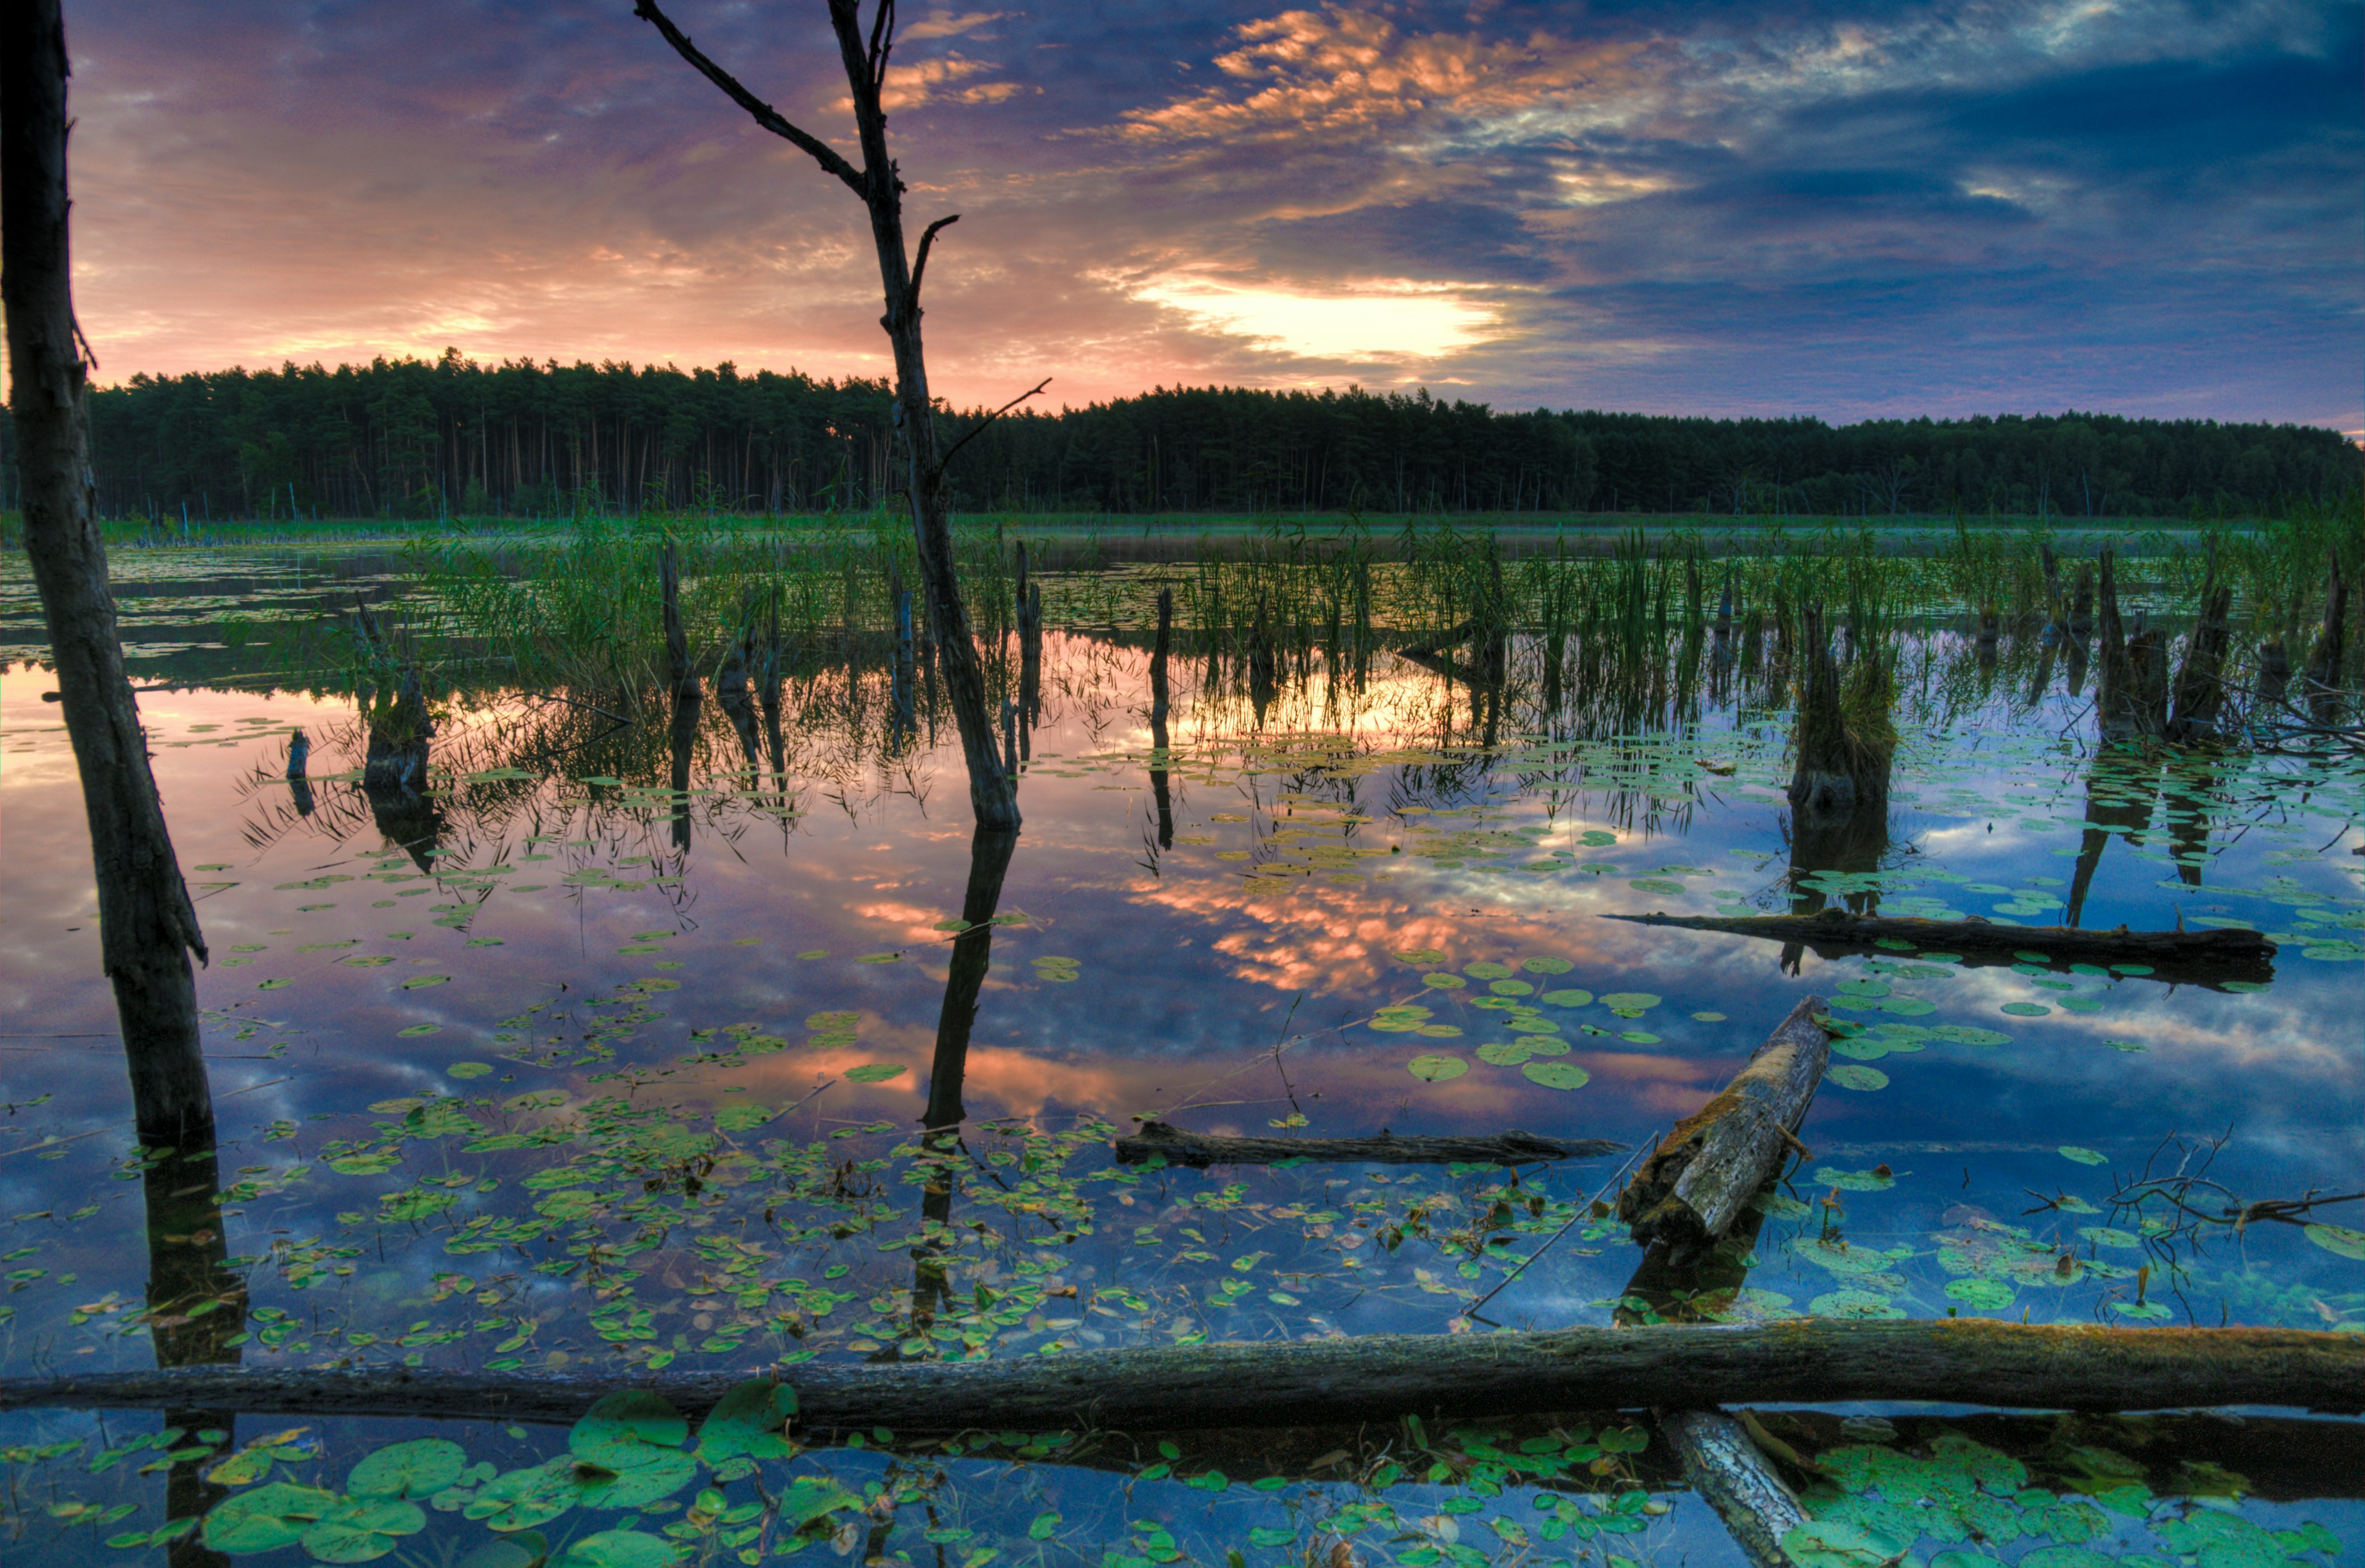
{"type": "Point", "coordinates": [1159, 1140]}
{"type": "Point", "coordinates": [1692, 1186]}
{"type": "Point", "coordinates": [2203, 957]}
{"type": "Point", "coordinates": [1366, 1377]}
{"type": "Point", "coordinates": [1726, 1467]}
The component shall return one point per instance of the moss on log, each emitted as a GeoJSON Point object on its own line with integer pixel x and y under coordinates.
{"type": "Point", "coordinates": [1692, 1187]}
{"type": "Point", "coordinates": [1371, 1377]}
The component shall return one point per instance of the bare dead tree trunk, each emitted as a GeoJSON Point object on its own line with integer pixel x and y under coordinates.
{"type": "Point", "coordinates": [148, 926]}
{"type": "Point", "coordinates": [680, 677]}
{"type": "Point", "coordinates": [864, 54]}
{"type": "Point", "coordinates": [2201, 683]}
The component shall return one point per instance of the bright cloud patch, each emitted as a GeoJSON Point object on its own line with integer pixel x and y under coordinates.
{"type": "Point", "coordinates": [1383, 323]}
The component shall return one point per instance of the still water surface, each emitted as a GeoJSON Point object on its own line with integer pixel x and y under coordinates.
{"type": "Point", "coordinates": [562, 1067]}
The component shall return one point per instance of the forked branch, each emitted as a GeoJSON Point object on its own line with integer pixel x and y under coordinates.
{"type": "Point", "coordinates": [770, 118]}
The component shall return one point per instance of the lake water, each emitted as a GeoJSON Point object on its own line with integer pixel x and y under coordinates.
{"type": "Point", "coordinates": [560, 1068]}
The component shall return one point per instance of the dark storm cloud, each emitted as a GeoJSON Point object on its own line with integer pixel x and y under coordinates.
{"type": "Point", "coordinates": [1816, 208]}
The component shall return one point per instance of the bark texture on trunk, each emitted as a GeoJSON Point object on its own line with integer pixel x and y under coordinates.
{"type": "Point", "coordinates": [1696, 1182]}
{"type": "Point", "coordinates": [2201, 683]}
{"type": "Point", "coordinates": [1371, 1377]}
{"type": "Point", "coordinates": [1728, 1470]}
{"type": "Point", "coordinates": [1156, 1140]}
{"type": "Point", "coordinates": [148, 926]}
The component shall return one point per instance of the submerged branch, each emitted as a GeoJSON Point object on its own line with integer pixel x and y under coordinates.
{"type": "Point", "coordinates": [1157, 1140]}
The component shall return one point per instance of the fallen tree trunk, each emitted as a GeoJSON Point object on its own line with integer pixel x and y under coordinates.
{"type": "Point", "coordinates": [1726, 1467]}
{"type": "Point", "coordinates": [1689, 1190]}
{"type": "Point", "coordinates": [2222, 954]}
{"type": "Point", "coordinates": [1158, 1140]}
{"type": "Point", "coordinates": [1370, 1377]}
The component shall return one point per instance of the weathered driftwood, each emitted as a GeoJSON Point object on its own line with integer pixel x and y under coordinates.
{"type": "Point", "coordinates": [1158, 1140]}
{"type": "Point", "coordinates": [1692, 1187]}
{"type": "Point", "coordinates": [1368, 1377]}
{"type": "Point", "coordinates": [2175, 955]}
{"type": "Point", "coordinates": [1726, 1468]}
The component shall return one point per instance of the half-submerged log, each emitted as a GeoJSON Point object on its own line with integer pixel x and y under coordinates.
{"type": "Point", "coordinates": [1690, 1188]}
{"type": "Point", "coordinates": [1366, 1377]}
{"type": "Point", "coordinates": [1727, 1469]}
{"type": "Point", "coordinates": [1158, 1140]}
{"type": "Point", "coordinates": [2200, 956]}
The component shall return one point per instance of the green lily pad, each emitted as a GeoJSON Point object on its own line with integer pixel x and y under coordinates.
{"type": "Point", "coordinates": [469, 1070]}
{"type": "Point", "coordinates": [2338, 1240]}
{"type": "Point", "coordinates": [362, 1530]}
{"type": "Point", "coordinates": [1437, 1069]}
{"type": "Point", "coordinates": [1546, 966]}
{"type": "Point", "coordinates": [1421, 955]}
{"type": "Point", "coordinates": [2026, 1009]}
{"type": "Point", "coordinates": [2083, 1156]}
{"type": "Point", "coordinates": [750, 1419]}
{"type": "Point", "coordinates": [622, 1549]}
{"type": "Point", "coordinates": [1556, 1074]}
{"type": "Point", "coordinates": [1631, 1000]}
{"type": "Point", "coordinates": [874, 1073]}
{"type": "Point", "coordinates": [419, 1468]}
{"type": "Point", "coordinates": [1567, 998]}
{"type": "Point", "coordinates": [266, 1518]}
{"type": "Point", "coordinates": [521, 1499]}
{"type": "Point", "coordinates": [619, 1426]}
{"type": "Point", "coordinates": [1442, 981]}
{"type": "Point", "coordinates": [1853, 1075]}
{"type": "Point", "coordinates": [1981, 1296]}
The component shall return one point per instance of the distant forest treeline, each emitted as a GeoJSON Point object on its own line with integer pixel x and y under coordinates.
{"type": "Point", "coordinates": [412, 437]}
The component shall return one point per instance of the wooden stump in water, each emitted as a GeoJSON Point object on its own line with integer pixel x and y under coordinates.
{"type": "Point", "coordinates": [1838, 772]}
{"type": "Point", "coordinates": [1692, 1186]}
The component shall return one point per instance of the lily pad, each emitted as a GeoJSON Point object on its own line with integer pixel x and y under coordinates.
{"type": "Point", "coordinates": [750, 1419]}
{"type": "Point", "coordinates": [622, 1425]}
{"type": "Point", "coordinates": [1421, 955]}
{"type": "Point", "coordinates": [1631, 1000]}
{"type": "Point", "coordinates": [874, 1073]}
{"type": "Point", "coordinates": [1981, 1296]}
{"type": "Point", "coordinates": [1854, 1075]}
{"type": "Point", "coordinates": [1437, 1069]}
{"type": "Point", "coordinates": [621, 1549]}
{"type": "Point", "coordinates": [2083, 1156]}
{"type": "Point", "coordinates": [1546, 966]}
{"type": "Point", "coordinates": [2026, 1009]}
{"type": "Point", "coordinates": [362, 1530]}
{"type": "Point", "coordinates": [1556, 1074]}
{"type": "Point", "coordinates": [266, 1518]}
{"type": "Point", "coordinates": [2338, 1240]}
{"type": "Point", "coordinates": [419, 1468]}
{"type": "Point", "coordinates": [1567, 998]}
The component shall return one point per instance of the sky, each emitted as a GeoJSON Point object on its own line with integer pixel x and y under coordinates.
{"type": "Point", "coordinates": [1756, 208]}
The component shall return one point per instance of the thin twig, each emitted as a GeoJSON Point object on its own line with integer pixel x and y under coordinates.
{"type": "Point", "coordinates": [945, 461]}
